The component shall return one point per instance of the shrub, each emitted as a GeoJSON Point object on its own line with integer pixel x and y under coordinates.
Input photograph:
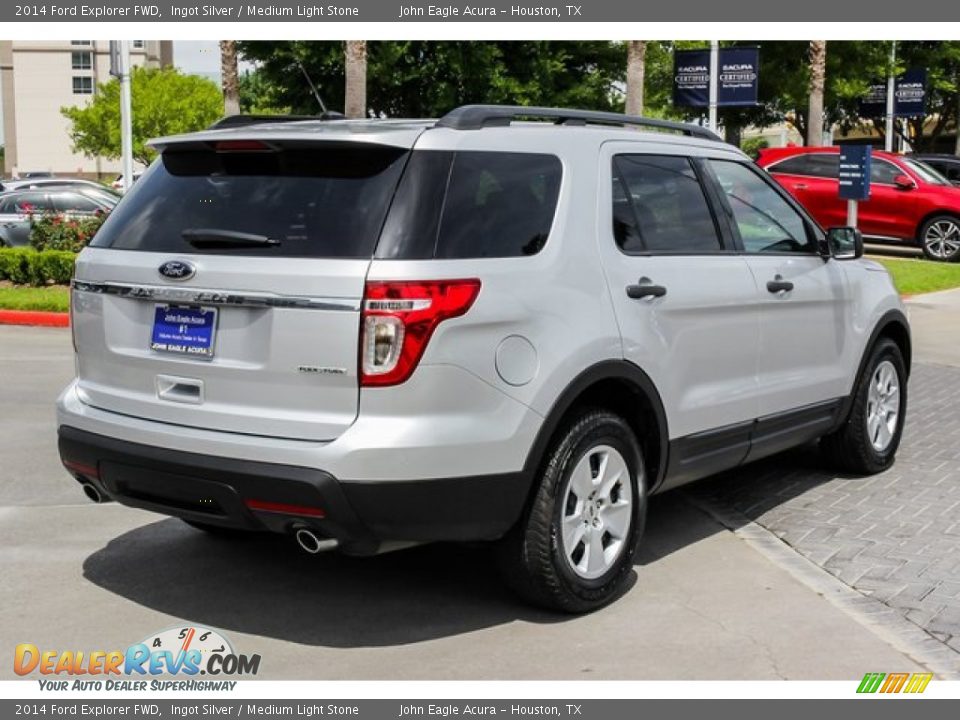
{"type": "Point", "coordinates": [26, 266]}
{"type": "Point", "coordinates": [753, 146]}
{"type": "Point", "coordinates": [51, 231]}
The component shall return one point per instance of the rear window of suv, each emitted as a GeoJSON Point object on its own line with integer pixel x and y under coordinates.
{"type": "Point", "coordinates": [327, 202]}
{"type": "Point", "coordinates": [472, 205]}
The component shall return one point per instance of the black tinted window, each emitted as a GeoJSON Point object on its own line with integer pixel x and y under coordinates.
{"type": "Point", "coordinates": [883, 173]}
{"type": "Point", "coordinates": [472, 205]}
{"type": "Point", "coordinates": [325, 201]}
{"type": "Point", "coordinates": [31, 202]}
{"type": "Point", "coordinates": [659, 206]}
{"type": "Point", "coordinates": [825, 165]}
{"type": "Point", "coordinates": [74, 202]}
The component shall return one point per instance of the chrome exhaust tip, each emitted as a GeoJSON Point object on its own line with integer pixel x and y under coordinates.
{"type": "Point", "coordinates": [311, 543]}
{"type": "Point", "coordinates": [92, 493]}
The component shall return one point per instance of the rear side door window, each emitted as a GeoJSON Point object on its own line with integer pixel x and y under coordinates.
{"type": "Point", "coordinates": [659, 206]}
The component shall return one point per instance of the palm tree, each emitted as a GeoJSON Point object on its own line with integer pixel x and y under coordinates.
{"type": "Point", "coordinates": [355, 93]}
{"type": "Point", "coordinates": [818, 74]}
{"type": "Point", "coordinates": [636, 69]}
{"type": "Point", "coordinates": [230, 79]}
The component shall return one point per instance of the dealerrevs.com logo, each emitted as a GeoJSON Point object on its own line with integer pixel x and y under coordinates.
{"type": "Point", "coordinates": [180, 651]}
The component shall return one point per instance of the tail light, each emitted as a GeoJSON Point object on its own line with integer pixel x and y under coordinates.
{"type": "Point", "coordinates": [398, 320]}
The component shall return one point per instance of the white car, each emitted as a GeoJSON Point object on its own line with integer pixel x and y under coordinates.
{"type": "Point", "coordinates": [509, 325]}
{"type": "Point", "coordinates": [117, 184]}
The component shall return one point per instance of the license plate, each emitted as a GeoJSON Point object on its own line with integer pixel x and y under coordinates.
{"type": "Point", "coordinates": [184, 330]}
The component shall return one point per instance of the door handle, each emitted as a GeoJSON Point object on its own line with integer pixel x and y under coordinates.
{"type": "Point", "coordinates": [779, 285]}
{"type": "Point", "coordinates": [645, 289]}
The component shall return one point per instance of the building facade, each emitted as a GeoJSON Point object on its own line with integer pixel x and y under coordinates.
{"type": "Point", "coordinates": [37, 78]}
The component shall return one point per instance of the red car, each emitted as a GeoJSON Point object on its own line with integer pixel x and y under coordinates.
{"type": "Point", "coordinates": [910, 202]}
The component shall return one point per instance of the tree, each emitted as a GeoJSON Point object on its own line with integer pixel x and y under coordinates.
{"type": "Point", "coordinates": [164, 102]}
{"type": "Point", "coordinates": [427, 78]}
{"type": "Point", "coordinates": [355, 89]}
{"type": "Point", "coordinates": [636, 69]}
{"type": "Point", "coordinates": [818, 72]}
{"type": "Point", "coordinates": [230, 80]}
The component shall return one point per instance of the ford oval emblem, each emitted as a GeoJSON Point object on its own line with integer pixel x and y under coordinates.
{"type": "Point", "coordinates": [177, 270]}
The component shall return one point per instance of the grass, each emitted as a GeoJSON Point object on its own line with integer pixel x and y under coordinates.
{"type": "Point", "coordinates": [913, 277]}
{"type": "Point", "coordinates": [54, 298]}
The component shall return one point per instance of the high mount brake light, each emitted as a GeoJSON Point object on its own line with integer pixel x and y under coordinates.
{"type": "Point", "coordinates": [241, 146]}
{"type": "Point", "coordinates": [398, 320]}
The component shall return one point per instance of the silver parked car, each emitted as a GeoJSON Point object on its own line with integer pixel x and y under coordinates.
{"type": "Point", "coordinates": [510, 325]}
{"type": "Point", "coordinates": [17, 205]}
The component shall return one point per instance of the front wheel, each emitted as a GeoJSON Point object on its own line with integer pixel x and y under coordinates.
{"type": "Point", "coordinates": [867, 442]}
{"type": "Point", "coordinates": [574, 549]}
{"type": "Point", "coordinates": [940, 238]}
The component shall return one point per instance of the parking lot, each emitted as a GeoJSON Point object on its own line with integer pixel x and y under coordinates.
{"type": "Point", "coordinates": [706, 602]}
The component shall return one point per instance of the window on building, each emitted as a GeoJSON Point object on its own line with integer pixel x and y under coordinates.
{"type": "Point", "coordinates": [82, 60]}
{"type": "Point", "coordinates": [82, 43]}
{"type": "Point", "coordinates": [138, 44]}
{"type": "Point", "coordinates": [83, 85]}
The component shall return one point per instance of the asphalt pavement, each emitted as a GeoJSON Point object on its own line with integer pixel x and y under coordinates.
{"type": "Point", "coordinates": [705, 603]}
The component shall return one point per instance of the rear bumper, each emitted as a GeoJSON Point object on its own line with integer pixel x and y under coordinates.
{"type": "Point", "coordinates": [363, 516]}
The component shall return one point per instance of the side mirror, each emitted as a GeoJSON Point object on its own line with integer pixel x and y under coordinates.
{"type": "Point", "coordinates": [845, 243]}
{"type": "Point", "coordinates": [904, 182]}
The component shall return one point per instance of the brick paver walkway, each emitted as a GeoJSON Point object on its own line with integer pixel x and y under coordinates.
{"type": "Point", "coordinates": [894, 536]}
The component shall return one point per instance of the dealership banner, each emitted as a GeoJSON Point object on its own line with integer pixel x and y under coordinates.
{"type": "Point", "coordinates": [736, 85]}
{"type": "Point", "coordinates": [909, 96]}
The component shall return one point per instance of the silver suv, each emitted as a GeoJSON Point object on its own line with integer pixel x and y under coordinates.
{"type": "Point", "coordinates": [509, 324]}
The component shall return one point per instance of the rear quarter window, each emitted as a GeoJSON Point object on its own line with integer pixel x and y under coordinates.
{"type": "Point", "coordinates": [472, 205]}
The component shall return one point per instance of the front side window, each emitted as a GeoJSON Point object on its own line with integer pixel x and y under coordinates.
{"type": "Point", "coordinates": [883, 172]}
{"type": "Point", "coordinates": [765, 221]}
{"type": "Point", "coordinates": [659, 206]}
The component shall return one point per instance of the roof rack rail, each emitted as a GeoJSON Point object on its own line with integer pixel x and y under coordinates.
{"type": "Point", "coordinates": [232, 121]}
{"type": "Point", "coordinates": [475, 117]}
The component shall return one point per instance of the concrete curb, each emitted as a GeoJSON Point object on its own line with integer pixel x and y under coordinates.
{"type": "Point", "coordinates": [882, 620]}
{"type": "Point", "coordinates": [34, 317]}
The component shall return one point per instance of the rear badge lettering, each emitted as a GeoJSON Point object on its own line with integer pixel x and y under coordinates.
{"type": "Point", "coordinates": [315, 370]}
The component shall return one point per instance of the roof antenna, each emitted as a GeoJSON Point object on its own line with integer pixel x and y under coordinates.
{"type": "Point", "coordinates": [313, 88]}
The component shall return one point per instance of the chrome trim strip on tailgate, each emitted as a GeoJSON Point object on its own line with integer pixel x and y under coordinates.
{"type": "Point", "coordinates": [197, 296]}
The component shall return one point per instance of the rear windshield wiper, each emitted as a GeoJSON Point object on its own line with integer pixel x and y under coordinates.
{"type": "Point", "coordinates": [211, 237]}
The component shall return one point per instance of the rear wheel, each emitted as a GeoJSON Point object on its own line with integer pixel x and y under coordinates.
{"type": "Point", "coordinates": [940, 238]}
{"type": "Point", "coordinates": [574, 549]}
{"type": "Point", "coordinates": [867, 442]}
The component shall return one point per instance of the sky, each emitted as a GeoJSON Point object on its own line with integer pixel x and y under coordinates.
{"type": "Point", "coordinates": [194, 57]}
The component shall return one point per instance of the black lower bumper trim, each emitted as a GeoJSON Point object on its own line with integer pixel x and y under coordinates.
{"type": "Point", "coordinates": [360, 515]}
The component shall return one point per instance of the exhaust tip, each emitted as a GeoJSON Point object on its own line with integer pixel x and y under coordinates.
{"type": "Point", "coordinates": [90, 490]}
{"type": "Point", "coordinates": [311, 543]}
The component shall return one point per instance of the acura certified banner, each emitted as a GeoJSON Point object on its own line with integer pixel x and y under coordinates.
{"type": "Point", "coordinates": [736, 84]}
{"type": "Point", "coordinates": [909, 97]}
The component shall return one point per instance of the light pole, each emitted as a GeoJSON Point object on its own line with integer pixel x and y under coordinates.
{"type": "Point", "coordinates": [120, 68]}
{"type": "Point", "coordinates": [714, 83]}
{"type": "Point", "coordinates": [891, 99]}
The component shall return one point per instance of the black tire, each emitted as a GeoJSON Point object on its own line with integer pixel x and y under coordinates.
{"type": "Point", "coordinates": [946, 224]}
{"type": "Point", "coordinates": [850, 448]}
{"type": "Point", "coordinates": [531, 557]}
{"type": "Point", "coordinates": [218, 530]}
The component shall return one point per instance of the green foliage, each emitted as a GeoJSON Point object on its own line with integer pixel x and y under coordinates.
{"type": "Point", "coordinates": [51, 231]}
{"type": "Point", "coordinates": [164, 102]}
{"type": "Point", "coordinates": [753, 146]}
{"type": "Point", "coordinates": [26, 266]}
{"type": "Point", "coordinates": [55, 298]}
{"type": "Point", "coordinates": [426, 79]}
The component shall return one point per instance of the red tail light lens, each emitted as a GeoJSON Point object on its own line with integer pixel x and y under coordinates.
{"type": "Point", "coordinates": [398, 320]}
